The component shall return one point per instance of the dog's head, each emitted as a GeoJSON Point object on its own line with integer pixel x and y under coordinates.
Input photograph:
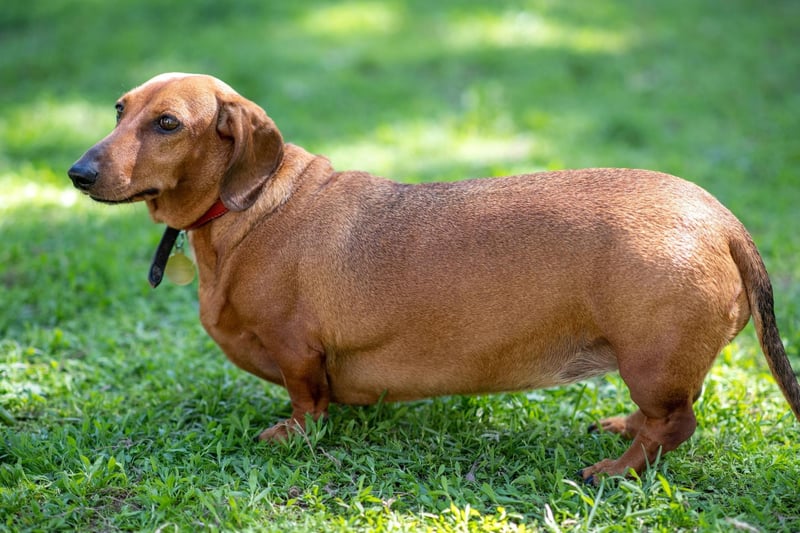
{"type": "Point", "coordinates": [181, 141]}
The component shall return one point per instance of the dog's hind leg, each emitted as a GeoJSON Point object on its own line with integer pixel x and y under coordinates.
{"type": "Point", "coordinates": [626, 426]}
{"type": "Point", "coordinates": [665, 417]}
{"type": "Point", "coordinates": [659, 433]}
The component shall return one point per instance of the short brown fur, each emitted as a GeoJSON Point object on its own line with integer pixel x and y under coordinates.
{"type": "Point", "coordinates": [344, 287]}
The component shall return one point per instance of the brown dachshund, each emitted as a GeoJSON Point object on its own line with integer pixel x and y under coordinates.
{"type": "Point", "coordinates": [344, 287]}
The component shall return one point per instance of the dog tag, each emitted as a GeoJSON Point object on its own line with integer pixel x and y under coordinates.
{"type": "Point", "coordinates": [180, 269]}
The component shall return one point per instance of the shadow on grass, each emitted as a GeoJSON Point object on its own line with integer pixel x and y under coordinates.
{"type": "Point", "coordinates": [414, 90]}
{"type": "Point", "coordinates": [658, 86]}
{"type": "Point", "coordinates": [326, 72]}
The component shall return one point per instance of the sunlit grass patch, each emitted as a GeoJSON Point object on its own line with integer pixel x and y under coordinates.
{"type": "Point", "coordinates": [20, 190]}
{"type": "Point", "coordinates": [52, 130]}
{"type": "Point", "coordinates": [436, 150]}
{"type": "Point", "coordinates": [350, 17]}
{"type": "Point", "coordinates": [525, 28]}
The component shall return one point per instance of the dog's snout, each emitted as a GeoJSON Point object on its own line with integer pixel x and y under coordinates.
{"type": "Point", "coordinates": [83, 175]}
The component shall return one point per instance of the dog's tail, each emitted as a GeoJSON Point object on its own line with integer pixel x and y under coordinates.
{"type": "Point", "coordinates": [759, 294]}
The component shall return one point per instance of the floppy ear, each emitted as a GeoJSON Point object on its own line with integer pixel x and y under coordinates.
{"type": "Point", "coordinates": [257, 152]}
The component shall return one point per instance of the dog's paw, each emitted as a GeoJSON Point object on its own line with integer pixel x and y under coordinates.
{"type": "Point", "coordinates": [281, 431]}
{"type": "Point", "coordinates": [619, 425]}
{"type": "Point", "coordinates": [592, 475]}
{"type": "Point", "coordinates": [588, 479]}
{"type": "Point", "coordinates": [612, 425]}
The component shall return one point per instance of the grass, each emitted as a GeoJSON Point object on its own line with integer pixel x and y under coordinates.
{"type": "Point", "coordinates": [127, 417]}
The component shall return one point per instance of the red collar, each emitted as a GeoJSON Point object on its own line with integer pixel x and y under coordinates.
{"type": "Point", "coordinates": [215, 211]}
{"type": "Point", "coordinates": [170, 236]}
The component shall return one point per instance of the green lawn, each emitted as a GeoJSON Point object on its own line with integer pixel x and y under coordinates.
{"type": "Point", "coordinates": [128, 417]}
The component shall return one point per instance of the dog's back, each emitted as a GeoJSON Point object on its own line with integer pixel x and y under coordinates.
{"type": "Point", "coordinates": [513, 283]}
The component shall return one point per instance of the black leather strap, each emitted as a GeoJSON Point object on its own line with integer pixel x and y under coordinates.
{"type": "Point", "coordinates": [162, 254]}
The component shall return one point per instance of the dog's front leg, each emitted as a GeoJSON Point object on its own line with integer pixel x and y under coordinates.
{"type": "Point", "coordinates": [277, 358]}
{"type": "Point", "coordinates": [306, 380]}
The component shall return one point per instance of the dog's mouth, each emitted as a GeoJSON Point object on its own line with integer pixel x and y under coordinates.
{"type": "Point", "coordinates": [139, 196]}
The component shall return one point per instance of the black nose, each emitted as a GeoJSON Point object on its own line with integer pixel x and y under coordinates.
{"type": "Point", "coordinates": [83, 175]}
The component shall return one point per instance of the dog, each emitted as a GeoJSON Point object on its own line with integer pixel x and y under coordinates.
{"type": "Point", "coordinates": [349, 288]}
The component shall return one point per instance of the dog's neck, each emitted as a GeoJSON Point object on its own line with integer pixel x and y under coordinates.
{"type": "Point", "coordinates": [215, 211]}
{"type": "Point", "coordinates": [295, 165]}
{"type": "Point", "coordinates": [171, 234]}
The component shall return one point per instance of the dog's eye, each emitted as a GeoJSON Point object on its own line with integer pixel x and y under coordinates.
{"type": "Point", "coordinates": [168, 123]}
{"type": "Point", "coordinates": [120, 108]}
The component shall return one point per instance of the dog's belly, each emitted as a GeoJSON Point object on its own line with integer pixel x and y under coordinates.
{"type": "Point", "coordinates": [385, 374]}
